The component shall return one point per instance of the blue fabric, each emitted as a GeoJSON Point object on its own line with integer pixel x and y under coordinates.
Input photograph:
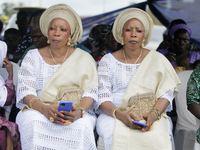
{"type": "Point", "coordinates": [168, 10]}
{"type": "Point", "coordinates": [164, 10]}
{"type": "Point", "coordinates": [81, 46]}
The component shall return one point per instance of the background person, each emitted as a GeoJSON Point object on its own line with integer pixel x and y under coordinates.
{"type": "Point", "coordinates": [9, 135]}
{"type": "Point", "coordinates": [39, 40]}
{"type": "Point", "coordinates": [166, 43]}
{"type": "Point", "coordinates": [130, 71]}
{"type": "Point", "coordinates": [180, 36]}
{"type": "Point", "coordinates": [25, 40]}
{"type": "Point", "coordinates": [193, 100]}
{"type": "Point", "coordinates": [103, 39]}
{"type": "Point", "coordinates": [12, 39]}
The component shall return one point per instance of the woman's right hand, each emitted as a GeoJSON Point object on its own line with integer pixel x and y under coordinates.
{"type": "Point", "coordinates": [171, 56]}
{"type": "Point", "coordinates": [127, 118]}
{"type": "Point", "coordinates": [52, 111]}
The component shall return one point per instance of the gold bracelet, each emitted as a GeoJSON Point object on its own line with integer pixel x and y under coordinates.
{"type": "Point", "coordinates": [113, 112]}
{"type": "Point", "coordinates": [32, 101]}
{"type": "Point", "coordinates": [82, 111]}
{"type": "Point", "coordinates": [157, 113]}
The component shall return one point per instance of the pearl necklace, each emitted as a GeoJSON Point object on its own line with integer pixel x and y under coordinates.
{"type": "Point", "coordinates": [137, 58]}
{"type": "Point", "coordinates": [55, 60]}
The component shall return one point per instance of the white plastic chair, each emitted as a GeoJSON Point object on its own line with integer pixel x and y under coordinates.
{"type": "Point", "coordinates": [186, 127]}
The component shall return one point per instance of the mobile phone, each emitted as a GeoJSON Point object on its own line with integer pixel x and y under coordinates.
{"type": "Point", "coordinates": [65, 106]}
{"type": "Point", "coordinates": [139, 123]}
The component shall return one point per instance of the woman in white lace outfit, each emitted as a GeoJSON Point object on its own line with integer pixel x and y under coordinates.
{"type": "Point", "coordinates": [42, 73]}
{"type": "Point", "coordinates": [130, 71]}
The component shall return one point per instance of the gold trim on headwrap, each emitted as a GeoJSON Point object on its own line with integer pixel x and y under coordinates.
{"type": "Point", "coordinates": [64, 12]}
{"type": "Point", "coordinates": [128, 14]}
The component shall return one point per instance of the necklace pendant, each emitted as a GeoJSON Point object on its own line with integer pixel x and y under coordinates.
{"type": "Point", "coordinates": [58, 63]}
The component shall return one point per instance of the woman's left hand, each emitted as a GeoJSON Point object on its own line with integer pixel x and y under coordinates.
{"type": "Point", "coordinates": [150, 119]}
{"type": "Point", "coordinates": [73, 115]}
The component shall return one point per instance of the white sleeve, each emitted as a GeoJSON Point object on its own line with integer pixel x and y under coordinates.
{"type": "Point", "coordinates": [105, 88]}
{"type": "Point", "coordinates": [3, 91]}
{"type": "Point", "coordinates": [169, 96]}
{"type": "Point", "coordinates": [26, 79]}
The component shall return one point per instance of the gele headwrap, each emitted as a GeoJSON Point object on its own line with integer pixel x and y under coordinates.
{"type": "Point", "coordinates": [128, 14]}
{"type": "Point", "coordinates": [65, 12]}
{"type": "Point", "coordinates": [179, 26]}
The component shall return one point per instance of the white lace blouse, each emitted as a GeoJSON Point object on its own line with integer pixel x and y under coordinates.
{"type": "Point", "coordinates": [34, 74]}
{"type": "Point", "coordinates": [114, 77]}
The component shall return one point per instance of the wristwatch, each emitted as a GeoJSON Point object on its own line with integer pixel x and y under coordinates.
{"type": "Point", "coordinates": [82, 110]}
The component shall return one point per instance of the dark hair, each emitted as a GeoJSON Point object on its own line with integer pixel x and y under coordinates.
{"type": "Point", "coordinates": [36, 13]}
{"type": "Point", "coordinates": [22, 13]}
{"type": "Point", "coordinates": [12, 31]}
{"type": "Point", "coordinates": [176, 21]}
{"type": "Point", "coordinates": [196, 63]}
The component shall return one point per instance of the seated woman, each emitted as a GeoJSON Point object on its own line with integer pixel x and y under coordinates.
{"type": "Point", "coordinates": [180, 37]}
{"type": "Point", "coordinates": [49, 71]}
{"type": "Point", "coordinates": [9, 135]}
{"type": "Point", "coordinates": [193, 100]}
{"type": "Point", "coordinates": [131, 71]}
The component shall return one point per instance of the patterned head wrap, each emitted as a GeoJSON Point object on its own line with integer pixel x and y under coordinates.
{"type": "Point", "coordinates": [100, 33]}
{"type": "Point", "coordinates": [64, 12]}
{"type": "Point", "coordinates": [128, 14]}
{"type": "Point", "coordinates": [179, 26]}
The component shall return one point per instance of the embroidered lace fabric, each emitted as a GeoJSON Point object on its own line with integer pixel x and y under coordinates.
{"type": "Point", "coordinates": [36, 131]}
{"type": "Point", "coordinates": [114, 77]}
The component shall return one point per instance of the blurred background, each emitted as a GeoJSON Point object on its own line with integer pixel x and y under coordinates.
{"type": "Point", "coordinates": [105, 11]}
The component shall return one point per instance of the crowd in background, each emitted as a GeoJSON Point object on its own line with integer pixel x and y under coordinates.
{"type": "Point", "coordinates": [32, 50]}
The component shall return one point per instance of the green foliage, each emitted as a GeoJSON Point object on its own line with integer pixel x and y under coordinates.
{"type": "Point", "coordinates": [8, 10]}
{"type": "Point", "coordinates": [4, 19]}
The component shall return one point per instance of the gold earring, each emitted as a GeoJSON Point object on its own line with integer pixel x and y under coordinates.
{"type": "Point", "coordinates": [143, 43]}
{"type": "Point", "coordinates": [122, 43]}
{"type": "Point", "coordinates": [69, 42]}
{"type": "Point", "coordinates": [48, 41]}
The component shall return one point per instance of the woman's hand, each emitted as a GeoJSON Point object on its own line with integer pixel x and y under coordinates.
{"type": "Point", "coordinates": [150, 119]}
{"type": "Point", "coordinates": [52, 111]}
{"type": "Point", "coordinates": [171, 56]}
{"type": "Point", "coordinates": [73, 115]}
{"type": "Point", "coordinates": [127, 118]}
{"type": "Point", "coordinates": [9, 67]}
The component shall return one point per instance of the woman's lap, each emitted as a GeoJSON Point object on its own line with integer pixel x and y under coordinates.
{"type": "Point", "coordinates": [34, 127]}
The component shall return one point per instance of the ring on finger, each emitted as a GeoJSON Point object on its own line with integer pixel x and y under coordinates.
{"type": "Point", "coordinates": [51, 119]}
{"type": "Point", "coordinates": [67, 122]}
